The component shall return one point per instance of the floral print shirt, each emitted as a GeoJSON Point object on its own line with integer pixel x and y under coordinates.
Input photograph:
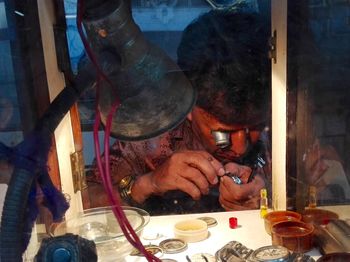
{"type": "Point", "coordinates": [138, 158]}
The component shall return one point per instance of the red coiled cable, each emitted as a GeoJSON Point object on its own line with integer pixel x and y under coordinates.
{"type": "Point", "coordinates": [104, 171]}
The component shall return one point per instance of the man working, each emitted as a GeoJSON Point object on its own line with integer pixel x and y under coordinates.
{"type": "Point", "coordinates": [217, 158]}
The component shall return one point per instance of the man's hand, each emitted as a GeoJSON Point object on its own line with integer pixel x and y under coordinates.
{"type": "Point", "coordinates": [240, 197]}
{"type": "Point", "coordinates": [315, 165]}
{"type": "Point", "coordinates": [243, 172]}
{"type": "Point", "coordinates": [192, 172]}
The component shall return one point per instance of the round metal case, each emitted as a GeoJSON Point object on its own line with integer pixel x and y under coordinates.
{"type": "Point", "coordinates": [271, 253]}
{"type": "Point", "coordinates": [173, 245]}
{"type": "Point", "coordinates": [209, 220]}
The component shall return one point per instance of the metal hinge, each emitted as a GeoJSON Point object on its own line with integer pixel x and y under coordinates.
{"type": "Point", "coordinates": [78, 171]}
{"type": "Point", "coordinates": [273, 47]}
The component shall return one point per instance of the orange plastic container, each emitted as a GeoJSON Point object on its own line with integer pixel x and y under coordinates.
{"type": "Point", "coordinates": [297, 236]}
{"type": "Point", "coordinates": [318, 216]}
{"type": "Point", "coordinates": [274, 217]}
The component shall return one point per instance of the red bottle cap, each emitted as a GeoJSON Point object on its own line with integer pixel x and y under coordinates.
{"type": "Point", "coordinates": [233, 222]}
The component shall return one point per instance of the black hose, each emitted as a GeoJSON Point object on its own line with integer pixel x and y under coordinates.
{"type": "Point", "coordinates": [13, 215]}
{"type": "Point", "coordinates": [14, 209]}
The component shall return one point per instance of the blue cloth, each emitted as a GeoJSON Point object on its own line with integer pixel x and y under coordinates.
{"type": "Point", "coordinates": [32, 155]}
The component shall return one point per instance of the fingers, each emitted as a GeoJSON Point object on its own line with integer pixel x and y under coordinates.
{"type": "Point", "coordinates": [317, 171]}
{"type": "Point", "coordinates": [194, 185]}
{"type": "Point", "coordinates": [232, 191]}
{"type": "Point", "coordinates": [188, 187]}
{"type": "Point", "coordinates": [220, 170]}
{"type": "Point", "coordinates": [243, 172]}
{"type": "Point", "coordinates": [190, 171]}
{"type": "Point", "coordinates": [206, 164]}
{"type": "Point", "coordinates": [199, 174]}
{"type": "Point", "coordinates": [313, 156]}
{"type": "Point", "coordinates": [199, 180]}
{"type": "Point", "coordinates": [233, 195]}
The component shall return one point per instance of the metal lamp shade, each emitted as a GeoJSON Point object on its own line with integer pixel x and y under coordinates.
{"type": "Point", "coordinates": [155, 95]}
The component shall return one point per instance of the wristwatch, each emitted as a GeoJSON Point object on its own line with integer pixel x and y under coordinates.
{"type": "Point", "coordinates": [234, 251]}
{"type": "Point", "coordinates": [271, 253]}
{"type": "Point", "coordinates": [124, 187]}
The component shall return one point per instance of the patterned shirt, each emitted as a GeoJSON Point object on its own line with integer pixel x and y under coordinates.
{"type": "Point", "coordinates": [138, 158]}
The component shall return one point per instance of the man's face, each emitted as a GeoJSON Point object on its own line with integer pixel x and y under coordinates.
{"type": "Point", "coordinates": [241, 137]}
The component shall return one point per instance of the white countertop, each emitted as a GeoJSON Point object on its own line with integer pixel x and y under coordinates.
{"type": "Point", "coordinates": [250, 232]}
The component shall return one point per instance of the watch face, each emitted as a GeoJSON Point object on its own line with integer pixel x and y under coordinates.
{"type": "Point", "coordinates": [271, 253]}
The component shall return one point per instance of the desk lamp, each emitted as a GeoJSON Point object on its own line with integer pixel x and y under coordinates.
{"type": "Point", "coordinates": [153, 94]}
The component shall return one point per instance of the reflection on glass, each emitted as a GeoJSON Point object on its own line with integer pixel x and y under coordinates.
{"type": "Point", "coordinates": [319, 56]}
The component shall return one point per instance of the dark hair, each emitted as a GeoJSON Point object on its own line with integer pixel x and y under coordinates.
{"type": "Point", "coordinates": [225, 56]}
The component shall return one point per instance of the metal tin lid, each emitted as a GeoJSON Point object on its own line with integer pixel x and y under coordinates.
{"type": "Point", "coordinates": [271, 253]}
{"type": "Point", "coordinates": [209, 220]}
{"type": "Point", "coordinates": [173, 245]}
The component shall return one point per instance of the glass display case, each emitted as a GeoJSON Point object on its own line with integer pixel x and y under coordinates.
{"type": "Point", "coordinates": [306, 134]}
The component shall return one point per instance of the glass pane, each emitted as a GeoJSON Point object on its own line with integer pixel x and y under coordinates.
{"type": "Point", "coordinates": [162, 24]}
{"type": "Point", "coordinates": [3, 20]}
{"type": "Point", "coordinates": [319, 57]}
{"type": "Point", "coordinates": [10, 72]}
{"type": "Point", "coordinates": [17, 117]}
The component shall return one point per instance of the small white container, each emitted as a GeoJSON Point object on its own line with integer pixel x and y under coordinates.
{"type": "Point", "coordinates": [191, 230]}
